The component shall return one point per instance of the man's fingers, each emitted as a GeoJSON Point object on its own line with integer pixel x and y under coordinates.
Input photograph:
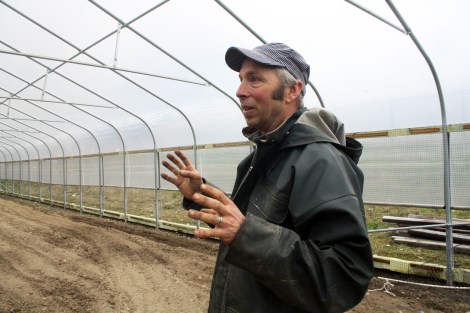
{"type": "Point", "coordinates": [166, 164]}
{"type": "Point", "coordinates": [210, 211]}
{"type": "Point", "coordinates": [209, 203]}
{"type": "Point", "coordinates": [190, 174]}
{"type": "Point", "coordinates": [205, 233]}
{"type": "Point", "coordinates": [170, 167]}
{"type": "Point", "coordinates": [182, 172]}
{"type": "Point", "coordinates": [206, 215]}
{"type": "Point", "coordinates": [184, 158]}
{"type": "Point", "coordinates": [169, 178]}
{"type": "Point", "coordinates": [215, 194]}
{"type": "Point", "coordinates": [176, 161]}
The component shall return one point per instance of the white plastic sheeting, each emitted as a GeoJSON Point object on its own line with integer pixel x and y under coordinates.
{"type": "Point", "coordinates": [146, 74]}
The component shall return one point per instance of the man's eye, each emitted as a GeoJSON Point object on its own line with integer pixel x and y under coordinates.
{"type": "Point", "coordinates": [254, 78]}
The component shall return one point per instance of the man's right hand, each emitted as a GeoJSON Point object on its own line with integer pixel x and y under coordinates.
{"type": "Point", "coordinates": [187, 179]}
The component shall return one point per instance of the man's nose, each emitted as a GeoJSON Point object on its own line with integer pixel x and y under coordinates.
{"type": "Point", "coordinates": [241, 91]}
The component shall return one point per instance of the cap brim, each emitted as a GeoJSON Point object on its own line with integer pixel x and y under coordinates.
{"type": "Point", "coordinates": [234, 58]}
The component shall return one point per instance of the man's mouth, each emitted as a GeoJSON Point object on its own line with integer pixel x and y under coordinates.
{"type": "Point", "coordinates": [247, 108]}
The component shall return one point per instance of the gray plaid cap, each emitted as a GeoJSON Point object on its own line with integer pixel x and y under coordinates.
{"type": "Point", "coordinates": [272, 54]}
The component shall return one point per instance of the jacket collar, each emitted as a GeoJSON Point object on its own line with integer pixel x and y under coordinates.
{"type": "Point", "coordinates": [303, 132]}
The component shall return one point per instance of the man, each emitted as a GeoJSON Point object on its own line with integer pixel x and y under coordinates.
{"type": "Point", "coordinates": [293, 234]}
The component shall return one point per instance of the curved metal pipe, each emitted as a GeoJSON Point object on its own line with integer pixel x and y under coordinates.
{"type": "Point", "coordinates": [83, 51]}
{"type": "Point", "coordinates": [37, 151]}
{"type": "Point", "coordinates": [127, 25]}
{"type": "Point", "coordinates": [72, 122]}
{"type": "Point", "coordinates": [50, 167]}
{"type": "Point", "coordinates": [6, 171]}
{"type": "Point", "coordinates": [21, 167]}
{"type": "Point", "coordinates": [12, 167]}
{"type": "Point", "coordinates": [80, 52]}
{"type": "Point", "coordinates": [6, 180]}
{"type": "Point", "coordinates": [445, 133]}
{"type": "Point", "coordinates": [144, 122]}
{"type": "Point", "coordinates": [445, 143]}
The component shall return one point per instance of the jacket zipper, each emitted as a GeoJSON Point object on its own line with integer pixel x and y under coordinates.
{"type": "Point", "coordinates": [242, 182]}
{"type": "Point", "coordinates": [246, 175]}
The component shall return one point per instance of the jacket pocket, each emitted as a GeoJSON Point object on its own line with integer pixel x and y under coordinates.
{"type": "Point", "coordinates": [268, 203]}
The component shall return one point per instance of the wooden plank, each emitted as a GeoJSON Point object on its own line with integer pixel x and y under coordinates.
{"type": "Point", "coordinates": [425, 130]}
{"type": "Point", "coordinates": [231, 144]}
{"type": "Point", "coordinates": [439, 235]}
{"type": "Point", "coordinates": [456, 229]}
{"type": "Point", "coordinates": [431, 244]}
{"type": "Point", "coordinates": [368, 134]}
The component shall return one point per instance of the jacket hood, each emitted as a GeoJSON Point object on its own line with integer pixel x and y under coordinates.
{"type": "Point", "coordinates": [324, 122]}
{"type": "Point", "coordinates": [320, 125]}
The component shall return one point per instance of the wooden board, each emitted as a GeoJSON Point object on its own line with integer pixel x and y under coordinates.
{"type": "Point", "coordinates": [431, 244]}
{"type": "Point", "coordinates": [439, 235]}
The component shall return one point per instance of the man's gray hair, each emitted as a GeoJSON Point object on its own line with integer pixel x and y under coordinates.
{"type": "Point", "coordinates": [288, 80]}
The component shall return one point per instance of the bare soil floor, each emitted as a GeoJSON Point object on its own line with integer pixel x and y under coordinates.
{"type": "Point", "coordinates": [56, 260]}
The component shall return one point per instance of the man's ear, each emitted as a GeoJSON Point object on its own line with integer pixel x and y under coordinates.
{"type": "Point", "coordinates": [294, 91]}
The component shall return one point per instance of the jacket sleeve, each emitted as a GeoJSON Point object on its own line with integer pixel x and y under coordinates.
{"type": "Point", "coordinates": [326, 262]}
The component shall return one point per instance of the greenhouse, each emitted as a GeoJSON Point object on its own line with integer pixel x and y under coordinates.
{"type": "Point", "coordinates": [95, 94]}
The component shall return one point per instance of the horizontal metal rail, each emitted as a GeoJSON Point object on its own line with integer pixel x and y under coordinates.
{"type": "Point", "coordinates": [28, 55]}
{"type": "Point", "coordinates": [382, 230]}
{"type": "Point", "coordinates": [30, 119]}
{"type": "Point", "coordinates": [59, 102]}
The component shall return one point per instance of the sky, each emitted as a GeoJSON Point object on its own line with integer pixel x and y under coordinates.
{"type": "Point", "coordinates": [369, 74]}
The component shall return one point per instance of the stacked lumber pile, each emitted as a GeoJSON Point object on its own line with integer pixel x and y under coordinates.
{"type": "Point", "coordinates": [431, 238]}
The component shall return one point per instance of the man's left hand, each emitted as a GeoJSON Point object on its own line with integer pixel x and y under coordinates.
{"type": "Point", "coordinates": [218, 210]}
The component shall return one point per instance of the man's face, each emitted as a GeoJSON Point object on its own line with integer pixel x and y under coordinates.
{"type": "Point", "coordinates": [258, 84]}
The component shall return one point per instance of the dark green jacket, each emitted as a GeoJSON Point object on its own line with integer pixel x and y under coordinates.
{"type": "Point", "coordinates": [303, 246]}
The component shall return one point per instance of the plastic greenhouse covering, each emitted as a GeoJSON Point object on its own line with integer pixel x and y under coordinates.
{"type": "Point", "coordinates": [122, 79]}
